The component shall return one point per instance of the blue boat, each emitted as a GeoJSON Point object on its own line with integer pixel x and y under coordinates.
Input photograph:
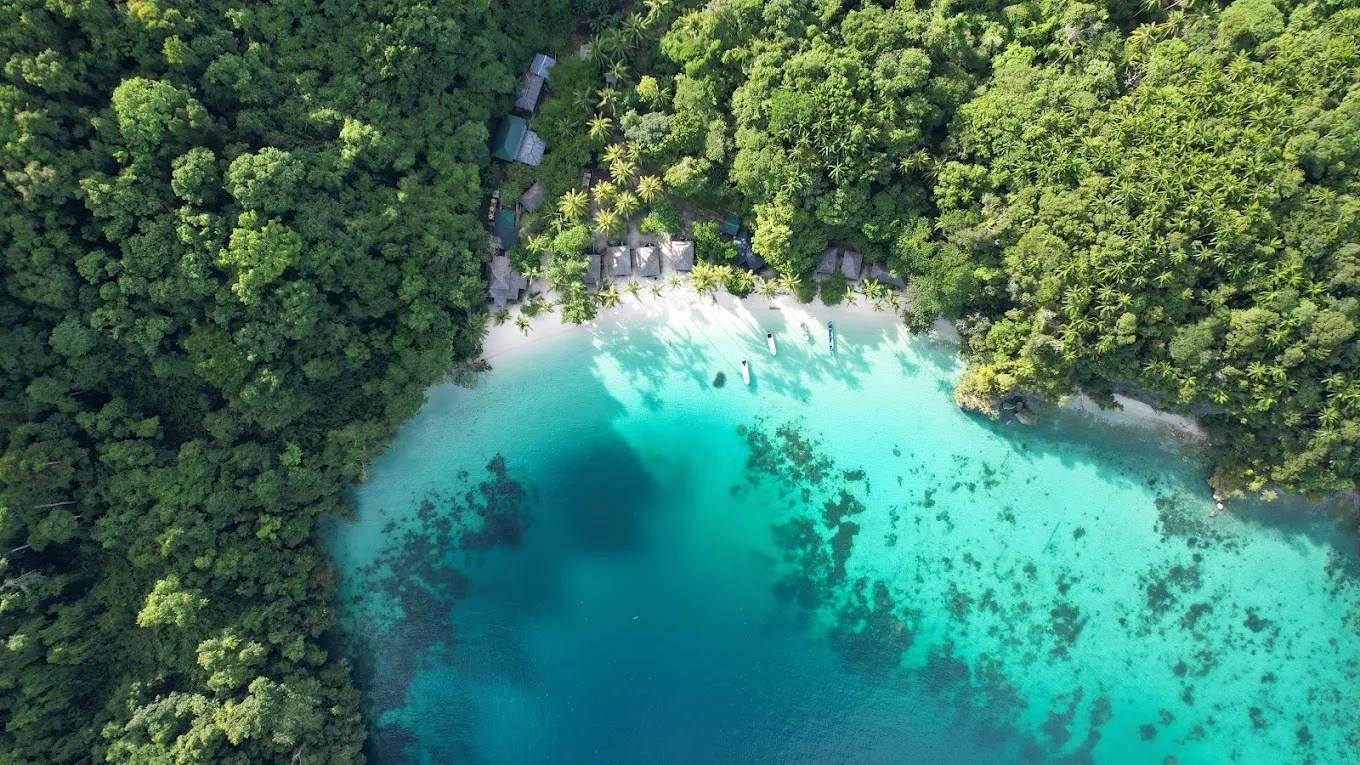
{"type": "Point", "coordinates": [831, 336]}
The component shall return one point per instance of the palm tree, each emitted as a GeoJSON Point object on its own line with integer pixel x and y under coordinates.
{"type": "Point", "coordinates": [572, 205]}
{"type": "Point", "coordinates": [850, 296]}
{"type": "Point", "coordinates": [635, 29]}
{"type": "Point", "coordinates": [625, 204]}
{"type": "Point", "coordinates": [895, 302]}
{"type": "Point", "coordinates": [675, 281]}
{"type": "Point", "coordinates": [612, 153]}
{"type": "Point", "coordinates": [768, 288]}
{"type": "Point", "coordinates": [601, 127]}
{"type": "Point", "coordinates": [608, 224]}
{"type": "Point", "coordinates": [656, 290]}
{"type": "Point", "coordinates": [522, 323]}
{"type": "Point", "coordinates": [607, 98]}
{"type": "Point", "coordinates": [622, 170]}
{"type": "Point", "coordinates": [605, 192]}
{"type": "Point", "coordinates": [788, 283]}
{"type": "Point", "coordinates": [634, 287]}
{"type": "Point", "coordinates": [608, 296]}
{"type": "Point", "coordinates": [649, 188]}
{"type": "Point", "coordinates": [618, 71]}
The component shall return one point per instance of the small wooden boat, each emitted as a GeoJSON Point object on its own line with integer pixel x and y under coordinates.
{"type": "Point", "coordinates": [769, 340]}
{"type": "Point", "coordinates": [831, 336]}
{"type": "Point", "coordinates": [745, 371]}
{"type": "Point", "coordinates": [807, 336]}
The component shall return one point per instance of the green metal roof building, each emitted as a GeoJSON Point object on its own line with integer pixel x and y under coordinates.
{"type": "Point", "coordinates": [509, 135]}
{"type": "Point", "coordinates": [504, 229]}
{"type": "Point", "coordinates": [731, 224]}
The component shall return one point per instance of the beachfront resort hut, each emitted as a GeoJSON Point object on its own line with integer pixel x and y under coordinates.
{"type": "Point", "coordinates": [827, 265]}
{"type": "Point", "coordinates": [504, 232]}
{"type": "Point", "coordinates": [746, 254]}
{"type": "Point", "coordinates": [533, 197]}
{"type": "Point", "coordinates": [884, 276]}
{"type": "Point", "coordinates": [618, 262]}
{"type": "Point", "coordinates": [592, 269]}
{"type": "Point", "coordinates": [851, 265]}
{"type": "Point", "coordinates": [505, 282]}
{"type": "Point", "coordinates": [532, 89]}
{"type": "Point", "coordinates": [515, 142]}
{"type": "Point", "coordinates": [648, 261]}
{"type": "Point", "coordinates": [679, 254]}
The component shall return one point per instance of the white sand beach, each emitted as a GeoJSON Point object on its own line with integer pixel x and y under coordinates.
{"type": "Point", "coordinates": [680, 304]}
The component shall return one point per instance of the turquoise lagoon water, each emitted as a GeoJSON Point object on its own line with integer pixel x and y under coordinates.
{"type": "Point", "coordinates": [599, 556]}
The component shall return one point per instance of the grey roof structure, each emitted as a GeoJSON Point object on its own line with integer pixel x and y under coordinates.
{"type": "Point", "coordinates": [618, 261]}
{"type": "Point", "coordinates": [679, 254]}
{"type": "Point", "coordinates": [533, 197]}
{"type": "Point", "coordinates": [505, 282]}
{"type": "Point", "coordinates": [542, 64]}
{"type": "Point", "coordinates": [529, 92]}
{"type": "Point", "coordinates": [648, 261]}
{"type": "Point", "coordinates": [827, 266]}
{"type": "Point", "coordinates": [534, 79]}
{"type": "Point", "coordinates": [851, 264]}
{"type": "Point", "coordinates": [531, 149]}
{"type": "Point", "coordinates": [592, 268]}
{"type": "Point", "coordinates": [881, 274]}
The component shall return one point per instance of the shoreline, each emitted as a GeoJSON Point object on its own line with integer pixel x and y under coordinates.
{"type": "Point", "coordinates": [677, 305]}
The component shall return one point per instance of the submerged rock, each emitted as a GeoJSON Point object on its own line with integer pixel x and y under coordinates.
{"type": "Point", "coordinates": [719, 380]}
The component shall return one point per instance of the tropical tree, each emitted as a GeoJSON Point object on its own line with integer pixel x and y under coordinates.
{"type": "Point", "coordinates": [601, 128]}
{"type": "Point", "coordinates": [572, 205]}
{"type": "Point", "coordinates": [656, 290]}
{"type": "Point", "coordinates": [608, 224]}
{"type": "Point", "coordinates": [625, 204]}
{"type": "Point", "coordinates": [522, 322]}
{"type": "Point", "coordinates": [607, 99]}
{"type": "Point", "coordinates": [604, 192]}
{"type": "Point", "coordinates": [769, 288]}
{"type": "Point", "coordinates": [608, 296]}
{"type": "Point", "coordinates": [649, 188]}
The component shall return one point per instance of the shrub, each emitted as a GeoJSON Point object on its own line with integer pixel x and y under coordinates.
{"type": "Point", "coordinates": [834, 289]}
{"type": "Point", "coordinates": [663, 219]}
{"type": "Point", "coordinates": [709, 245]}
{"type": "Point", "coordinates": [805, 289]}
{"type": "Point", "coordinates": [740, 282]}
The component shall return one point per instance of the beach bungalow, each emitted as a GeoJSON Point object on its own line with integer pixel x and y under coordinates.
{"type": "Point", "coordinates": [592, 269]}
{"type": "Point", "coordinates": [851, 265]}
{"type": "Point", "coordinates": [532, 198]}
{"type": "Point", "coordinates": [505, 282]}
{"type": "Point", "coordinates": [515, 142]}
{"type": "Point", "coordinates": [827, 266]}
{"type": "Point", "coordinates": [504, 232]}
{"type": "Point", "coordinates": [884, 276]}
{"type": "Point", "coordinates": [617, 262]}
{"type": "Point", "coordinates": [648, 261]}
{"type": "Point", "coordinates": [532, 89]}
{"type": "Point", "coordinates": [679, 254]}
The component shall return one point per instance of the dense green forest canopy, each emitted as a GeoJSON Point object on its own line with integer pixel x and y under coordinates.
{"type": "Point", "coordinates": [241, 240]}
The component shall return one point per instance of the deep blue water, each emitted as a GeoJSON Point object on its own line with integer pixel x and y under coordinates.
{"type": "Point", "coordinates": [598, 556]}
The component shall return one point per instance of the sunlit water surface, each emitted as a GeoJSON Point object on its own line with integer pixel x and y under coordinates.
{"type": "Point", "coordinates": [599, 556]}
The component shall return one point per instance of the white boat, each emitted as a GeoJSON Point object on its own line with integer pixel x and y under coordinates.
{"type": "Point", "coordinates": [769, 340]}
{"type": "Point", "coordinates": [745, 371]}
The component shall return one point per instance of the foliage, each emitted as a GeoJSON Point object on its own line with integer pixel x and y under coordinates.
{"type": "Point", "coordinates": [833, 289]}
{"type": "Point", "coordinates": [1192, 236]}
{"type": "Point", "coordinates": [241, 242]}
{"type": "Point", "coordinates": [740, 282]}
{"type": "Point", "coordinates": [663, 219]}
{"type": "Point", "coordinates": [709, 246]}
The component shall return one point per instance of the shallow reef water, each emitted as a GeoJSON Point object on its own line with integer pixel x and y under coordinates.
{"type": "Point", "coordinates": [602, 554]}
